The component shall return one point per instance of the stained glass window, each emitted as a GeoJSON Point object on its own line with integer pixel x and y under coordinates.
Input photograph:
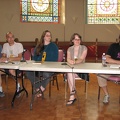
{"type": "Point", "coordinates": [103, 11]}
{"type": "Point", "coordinates": [39, 11]}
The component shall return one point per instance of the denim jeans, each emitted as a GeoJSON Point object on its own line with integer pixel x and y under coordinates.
{"type": "Point", "coordinates": [46, 76]}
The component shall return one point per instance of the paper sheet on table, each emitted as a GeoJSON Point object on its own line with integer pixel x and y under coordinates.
{"type": "Point", "coordinates": [37, 62]}
{"type": "Point", "coordinates": [114, 66]}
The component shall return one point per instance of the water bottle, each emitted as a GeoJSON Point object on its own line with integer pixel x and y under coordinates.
{"type": "Point", "coordinates": [104, 60]}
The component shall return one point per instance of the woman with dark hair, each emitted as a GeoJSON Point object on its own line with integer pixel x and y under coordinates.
{"type": "Point", "coordinates": [76, 54]}
{"type": "Point", "coordinates": [49, 51]}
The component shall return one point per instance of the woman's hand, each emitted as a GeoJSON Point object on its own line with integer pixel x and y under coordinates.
{"type": "Point", "coordinates": [72, 62]}
{"type": "Point", "coordinates": [3, 59]}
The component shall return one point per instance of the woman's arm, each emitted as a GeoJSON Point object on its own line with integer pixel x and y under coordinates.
{"type": "Point", "coordinates": [69, 58]}
{"type": "Point", "coordinates": [79, 60]}
{"type": "Point", "coordinates": [82, 57]}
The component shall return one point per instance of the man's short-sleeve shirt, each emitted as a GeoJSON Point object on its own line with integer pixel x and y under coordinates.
{"type": "Point", "coordinates": [13, 50]}
{"type": "Point", "coordinates": [114, 51]}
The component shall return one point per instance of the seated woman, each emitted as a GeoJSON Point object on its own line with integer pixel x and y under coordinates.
{"type": "Point", "coordinates": [76, 54]}
{"type": "Point", "coordinates": [50, 52]}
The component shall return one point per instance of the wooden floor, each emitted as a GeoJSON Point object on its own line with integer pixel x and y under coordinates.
{"type": "Point", "coordinates": [55, 108]}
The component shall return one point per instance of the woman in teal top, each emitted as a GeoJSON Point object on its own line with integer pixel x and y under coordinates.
{"type": "Point", "coordinates": [44, 51]}
{"type": "Point", "coordinates": [51, 52]}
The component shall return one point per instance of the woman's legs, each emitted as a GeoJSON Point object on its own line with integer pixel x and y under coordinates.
{"type": "Point", "coordinates": [71, 83]}
{"type": "Point", "coordinates": [46, 80]}
{"type": "Point", "coordinates": [30, 76]}
{"type": "Point", "coordinates": [46, 76]}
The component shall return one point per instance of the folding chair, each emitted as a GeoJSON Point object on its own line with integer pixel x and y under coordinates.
{"type": "Point", "coordinates": [54, 77]}
{"type": "Point", "coordinates": [85, 77]}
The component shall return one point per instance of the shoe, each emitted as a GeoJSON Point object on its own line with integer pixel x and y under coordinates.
{"type": "Point", "coordinates": [2, 94]}
{"type": "Point", "coordinates": [38, 93]}
{"type": "Point", "coordinates": [19, 93]}
{"type": "Point", "coordinates": [71, 102]}
{"type": "Point", "coordinates": [106, 99]}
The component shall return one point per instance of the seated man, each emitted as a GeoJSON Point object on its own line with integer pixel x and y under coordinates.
{"type": "Point", "coordinates": [113, 57]}
{"type": "Point", "coordinates": [11, 51]}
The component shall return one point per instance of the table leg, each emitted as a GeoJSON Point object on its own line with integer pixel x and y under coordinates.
{"type": "Point", "coordinates": [23, 88]}
{"type": "Point", "coordinates": [65, 80]}
{"type": "Point", "coordinates": [18, 92]}
{"type": "Point", "coordinates": [12, 103]}
{"type": "Point", "coordinates": [33, 93]}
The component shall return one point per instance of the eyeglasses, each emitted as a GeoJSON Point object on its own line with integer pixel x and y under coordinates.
{"type": "Point", "coordinates": [47, 35]}
{"type": "Point", "coordinates": [10, 37]}
{"type": "Point", "coordinates": [77, 39]}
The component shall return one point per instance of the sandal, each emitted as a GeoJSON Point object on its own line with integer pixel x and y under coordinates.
{"type": "Point", "coordinates": [73, 92]}
{"type": "Point", "coordinates": [39, 93]}
{"type": "Point", "coordinates": [70, 102]}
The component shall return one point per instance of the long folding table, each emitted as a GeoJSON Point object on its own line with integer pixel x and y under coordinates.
{"type": "Point", "coordinates": [65, 68]}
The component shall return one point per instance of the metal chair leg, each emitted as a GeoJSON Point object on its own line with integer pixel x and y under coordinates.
{"type": "Point", "coordinates": [50, 88]}
{"type": "Point", "coordinates": [99, 93]}
{"type": "Point", "coordinates": [86, 88]}
{"type": "Point", "coordinates": [66, 86]}
{"type": "Point", "coordinates": [6, 81]}
{"type": "Point", "coordinates": [54, 78]}
{"type": "Point", "coordinates": [57, 83]}
{"type": "Point", "coordinates": [86, 85]}
{"type": "Point", "coordinates": [119, 94]}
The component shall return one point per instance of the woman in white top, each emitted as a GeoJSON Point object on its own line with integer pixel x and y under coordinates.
{"type": "Point", "coordinates": [76, 54]}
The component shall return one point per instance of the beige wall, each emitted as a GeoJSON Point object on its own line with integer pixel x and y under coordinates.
{"type": "Point", "coordinates": [74, 22]}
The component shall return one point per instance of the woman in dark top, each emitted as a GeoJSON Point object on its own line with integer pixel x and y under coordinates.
{"type": "Point", "coordinates": [44, 51]}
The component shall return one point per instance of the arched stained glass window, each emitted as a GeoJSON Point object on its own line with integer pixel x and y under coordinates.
{"type": "Point", "coordinates": [46, 11]}
{"type": "Point", "coordinates": [103, 11]}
